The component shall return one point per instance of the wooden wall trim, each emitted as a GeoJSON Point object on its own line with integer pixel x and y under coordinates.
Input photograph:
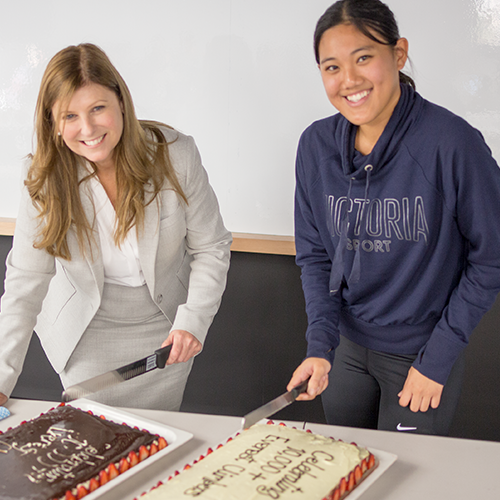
{"type": "Point", "coordinates": [7, 226]}
{"type": "Point", "coordinates": [263, 243]}
{"type": "Point", "coordinates": [242, 242]}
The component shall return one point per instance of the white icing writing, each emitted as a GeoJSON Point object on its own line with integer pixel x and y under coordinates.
{"type": "Point", "coordinates": [64, 437]}
{"type": "Point", "coordinates": [58, 453]}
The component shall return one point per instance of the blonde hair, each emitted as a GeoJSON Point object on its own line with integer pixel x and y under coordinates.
{"type": "Point", "coordinates": [141, 155]}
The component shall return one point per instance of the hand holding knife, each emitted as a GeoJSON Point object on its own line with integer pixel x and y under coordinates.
{"type": "Point", "coordinates": [273, 406]}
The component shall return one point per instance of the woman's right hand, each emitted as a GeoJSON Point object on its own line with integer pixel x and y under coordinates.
{"type": "Point", "coordinates": [317, 369]}
{"type": "Point", "coordinates": [3, 399]}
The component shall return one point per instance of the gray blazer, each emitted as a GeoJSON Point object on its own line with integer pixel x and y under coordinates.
{"type": "Point", "coordinates": [184, 253]}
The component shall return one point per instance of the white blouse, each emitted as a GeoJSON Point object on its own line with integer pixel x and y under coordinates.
{"type": "Point", "coordinates": [121, 264]}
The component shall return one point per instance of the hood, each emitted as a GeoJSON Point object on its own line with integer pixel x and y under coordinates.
{"type": "Point", "coordinates": [357, 167]}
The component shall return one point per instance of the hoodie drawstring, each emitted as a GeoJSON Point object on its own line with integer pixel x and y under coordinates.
{"type": "Point", "coordinates": [337, 271]}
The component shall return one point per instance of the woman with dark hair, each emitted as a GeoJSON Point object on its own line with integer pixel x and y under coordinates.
{"type": "Point", "coordinates": [119, 246]}
{"type": "Point", "coordinates": [399, 262]}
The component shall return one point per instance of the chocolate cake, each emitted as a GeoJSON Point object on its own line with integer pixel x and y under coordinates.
{"type": "Point", "coordinates": [67, 452]}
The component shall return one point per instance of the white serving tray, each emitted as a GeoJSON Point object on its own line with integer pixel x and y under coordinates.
{"type": "Point", "coordinates": [174, 437]}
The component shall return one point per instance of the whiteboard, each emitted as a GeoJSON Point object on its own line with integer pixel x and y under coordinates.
{"type": "Point", "coordinates": [240, 77]}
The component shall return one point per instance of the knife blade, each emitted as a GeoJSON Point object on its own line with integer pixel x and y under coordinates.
{"type": "Point", "coordinates": [273, 406]}
{"type": "Point", "coordinates": [156, 360]}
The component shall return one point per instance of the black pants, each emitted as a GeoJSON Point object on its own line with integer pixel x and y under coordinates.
{"type": "Point", "coordinates": [363, 392]}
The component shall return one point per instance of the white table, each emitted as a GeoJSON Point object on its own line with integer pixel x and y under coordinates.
{"type": "Point", "coordinates": [427, 467]}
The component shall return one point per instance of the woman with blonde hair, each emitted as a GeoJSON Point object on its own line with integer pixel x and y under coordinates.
{"type": "Point", "coordinates": [119, 245]}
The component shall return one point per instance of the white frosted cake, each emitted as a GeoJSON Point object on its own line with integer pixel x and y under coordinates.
{"type": "Point", "coordinates": [271, 461]}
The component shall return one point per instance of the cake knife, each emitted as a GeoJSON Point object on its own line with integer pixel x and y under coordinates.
{"type": "Point", "coordinates": [273, 406]}
{"type": "Point", "coordinates": [157, 360]}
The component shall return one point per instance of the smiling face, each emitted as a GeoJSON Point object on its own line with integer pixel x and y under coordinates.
{"type": "Point", "coordinates": [361, 76]}
{"type": "Point", "coordinates": [92, 123]}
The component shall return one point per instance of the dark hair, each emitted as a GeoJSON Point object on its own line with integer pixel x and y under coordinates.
{"type": "Point", "coordinates": [371, 17]}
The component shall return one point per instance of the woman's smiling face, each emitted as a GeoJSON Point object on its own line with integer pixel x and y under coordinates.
{"type": "Point", "coordinates": [92, 124]}
{"type": "Point", "coordinates": [361, 76]}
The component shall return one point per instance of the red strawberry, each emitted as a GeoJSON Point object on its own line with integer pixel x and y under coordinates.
{"type": "Point", "coordinates": [371, 461]}
{"type": "Point", "coordinates": [112, 472]}
{"type": "Point", "coordinates": [342, 486]}
{"type": "Point", "coordinates": [351, 483]}
{"type": "Point", "coordinates": [358, 474]}
{"type": "Point", "coordinates": [209, 451]}
{"type": "Point", "coordinates": [133, 458]}
{"type": "Point", "coordinates": [162, 443]}
{"type": "Point", "coordinates": [153, 449]}
{"type": "Point", "coordinates": [186, 467]}
{"type": "Point", "coordinates": [103, 477]}
{"type": "Point", "coordinates": [123, 465]}
{"type": "Point", "coordinates": [81, 492]}
{"type": "Point", "coordinates": [70, 496]}
{"type": "Point", "coordinates": [93, 485]}
{"type": "Point", "coordinates": [336, 494]}
{"type": "Point", "coordinates": [143, 453]}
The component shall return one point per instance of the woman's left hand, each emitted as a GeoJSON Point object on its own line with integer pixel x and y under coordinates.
{"type": "Point", "coordinates": [184, 346]}
{"type": "Point", "coordinates": [420, 392]}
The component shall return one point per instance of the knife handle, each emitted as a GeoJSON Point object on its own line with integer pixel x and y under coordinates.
{"type": "Point", "coordinates": [162, 356]}
{"type": "Point", "coordinates": [299, 389]}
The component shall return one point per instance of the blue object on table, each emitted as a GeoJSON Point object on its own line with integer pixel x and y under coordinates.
{"type": "Point", "coordinates": [4, 413]}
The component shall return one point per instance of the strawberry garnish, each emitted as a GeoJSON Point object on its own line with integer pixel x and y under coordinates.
{"type": "Point", "coordinates": [351, 483]}
{"type": "Point", "coordinates": [81, 492]}
{"type": "Point", "coordinates": [143, 453]}
{"type": "Point", "coordinates": [162, 443]}
{"type": "Point", "coordinates": [123, 465]}
{"type": "Point", "coordinates": [358, 474]}
{"type": "Point", "coordinates": [103, 477]}
{"type": "Point", "coordinates": [93, 485]}
{"type": "Point", "coordinates": [342, 486]}
{"type": "Point", "coordinates": [133, 458]}
{"type": "Point", "coordinates": [112, 472]}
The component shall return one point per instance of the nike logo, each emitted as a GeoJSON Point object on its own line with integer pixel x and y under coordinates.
{"type": "Point", "coordinates": [402, 428]}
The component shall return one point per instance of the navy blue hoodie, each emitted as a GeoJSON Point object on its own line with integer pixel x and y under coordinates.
{"type": "Point", "coordinates": [399, 249]}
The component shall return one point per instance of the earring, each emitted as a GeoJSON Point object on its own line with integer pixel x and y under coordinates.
{"type": "Point", "coordinates": [59, 134]}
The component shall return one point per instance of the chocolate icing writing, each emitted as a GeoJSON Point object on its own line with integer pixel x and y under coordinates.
{"type": "Point", "coordinates": [292, 476]}
{"type": "Point", "coordinates": [217, 476]}
{"type": "Point", "coordinates": [261, 445]}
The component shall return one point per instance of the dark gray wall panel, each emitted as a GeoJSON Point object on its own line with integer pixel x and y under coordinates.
{"type": "Point", "coordinates": [257, 340]}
